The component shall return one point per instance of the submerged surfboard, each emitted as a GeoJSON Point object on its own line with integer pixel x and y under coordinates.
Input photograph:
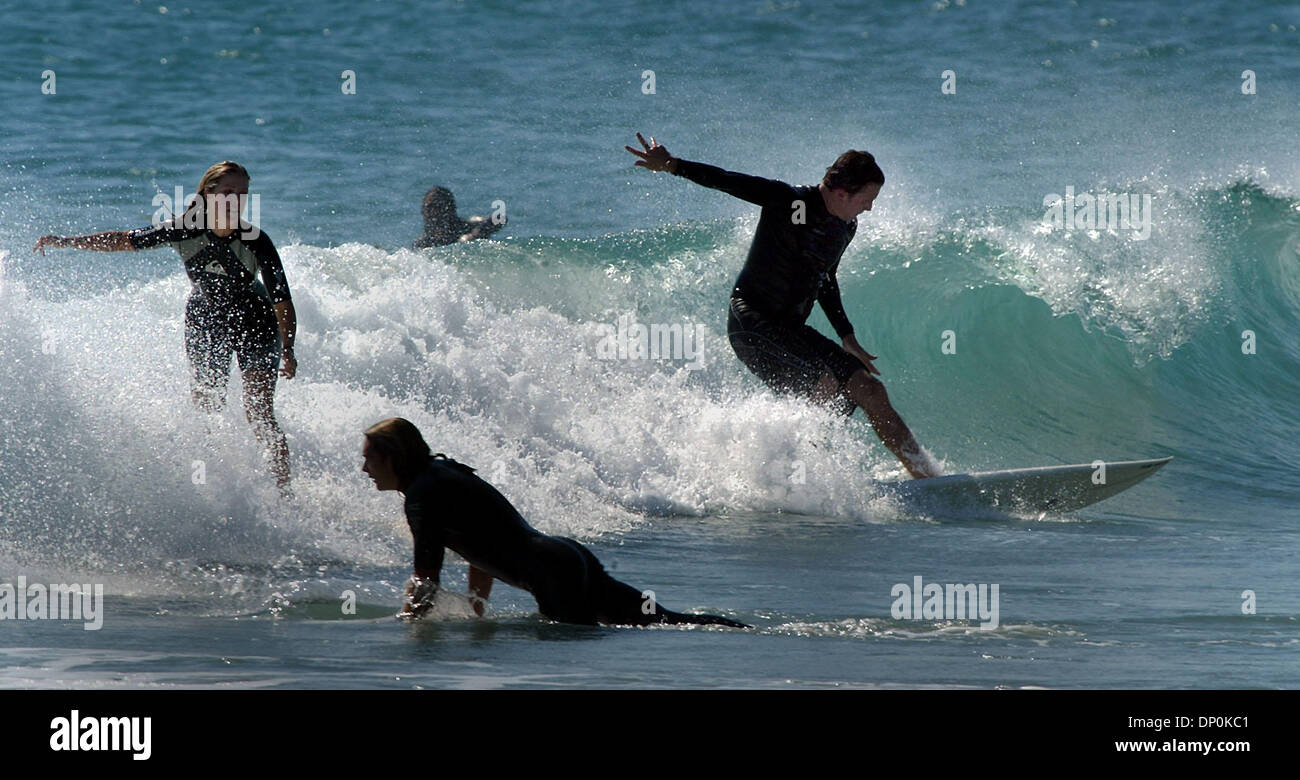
{"type": "Point", "coordinates": [1042, 489]}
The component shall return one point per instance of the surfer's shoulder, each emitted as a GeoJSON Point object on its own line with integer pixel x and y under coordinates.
{"type": "Point", "coordinates": [441, 461]}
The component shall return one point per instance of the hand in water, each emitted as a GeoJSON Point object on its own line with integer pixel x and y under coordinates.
{"type": "Point", "coordinates": [419, 597]}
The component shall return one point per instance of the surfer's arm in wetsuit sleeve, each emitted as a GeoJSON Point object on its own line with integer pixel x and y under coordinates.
{"type": "Point", "coordinates": [277, 286]}
{"type": "Point", "coordinates": [119, 240]}
{"type": "Point", "coordinates": [754, 189]}
{"type": "Point", "coordinates": [833, 305]}
{"type": "Point", "coordinates": [829, 297]}
{"type": "Point", "coordinates": [427, 537]}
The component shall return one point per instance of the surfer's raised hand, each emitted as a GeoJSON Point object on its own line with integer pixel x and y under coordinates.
{"type": "Point", "coordinates": [851, 346]}
{"type": "Point", "coordinates": [655, 157]}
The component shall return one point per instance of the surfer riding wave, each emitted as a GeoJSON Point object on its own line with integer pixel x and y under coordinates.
{"type": "Point", "coordinates": [802, 234]}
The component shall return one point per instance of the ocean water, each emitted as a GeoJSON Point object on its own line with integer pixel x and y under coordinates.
{"type": "Point", "coordinates": [689, 480]}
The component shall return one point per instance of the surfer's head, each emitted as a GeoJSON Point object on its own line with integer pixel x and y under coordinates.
{"type": "Point", "coordinates": [852, 171]}
{"type": "Point", "coordinates": [439, 207]}
{"type": "Point", "coordinates": [394, 453]}
{"type": "Point", "coordinates": [852, 183]}
{"type": "Point", "coordinates": [220, 193]}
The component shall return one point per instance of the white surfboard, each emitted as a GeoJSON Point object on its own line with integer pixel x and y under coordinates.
{"type": "Point", "coordinates": [1041, 489]}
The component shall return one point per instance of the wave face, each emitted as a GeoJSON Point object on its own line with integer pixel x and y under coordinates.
{"type": "Point", "coordinates": [1003, 343]}
{"type": "Point", "coordinates": [1059, 348]}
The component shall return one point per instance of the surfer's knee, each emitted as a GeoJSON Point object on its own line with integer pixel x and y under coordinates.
{"type": "Point", "coordinates": [827, 387]}
{"type": "Point", "coordinates": [866, 389]}
{"type": "Point", "coordinates": [208, 400]}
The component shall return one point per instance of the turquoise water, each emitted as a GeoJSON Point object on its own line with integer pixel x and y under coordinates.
{"type": "Point", "coordinates": [1069, 347]}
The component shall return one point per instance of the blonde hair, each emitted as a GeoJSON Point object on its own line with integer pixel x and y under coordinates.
{"type": "Point", "coordinates": [210, 178]}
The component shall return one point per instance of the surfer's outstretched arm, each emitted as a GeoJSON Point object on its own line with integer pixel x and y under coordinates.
{"type": "Point", "coordinates": [755, 189]}
{"type": "Point", "coordinates": [108, 241]}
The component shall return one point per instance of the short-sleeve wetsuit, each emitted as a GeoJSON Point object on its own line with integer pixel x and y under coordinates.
{"type": "Point", "coordinates": [791, 264]}
{"type": "Point", "coordinates": [228, 310]}
{"type": "Point", "coordinates": [448, 506]}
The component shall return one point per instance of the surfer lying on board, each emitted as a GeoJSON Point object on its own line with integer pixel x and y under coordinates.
{"type": "Point", "coordinates": [801, 235]}
{"type": "Point", "coordinates": [228, 310]}
{"type": "Point", "coordinates": [442, 225]}
{"type": "Point", "coordinates": [448, 506]}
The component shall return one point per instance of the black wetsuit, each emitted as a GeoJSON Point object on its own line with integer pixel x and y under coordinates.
{"type": "Point", "coordinates": [791, 264]}
{"type": "Point", "coordinates": [448, 506]}
{"type": "Point", "coordinates": [455, 229]}
{"type": "Point", "coordinates": [228, 309]}
{"type": "Point", "coordinates": [442, 225]}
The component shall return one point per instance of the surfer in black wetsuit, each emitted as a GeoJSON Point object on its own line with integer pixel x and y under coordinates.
{"type": "Point", "coordinates": [801, 235]}
{"type": "Point", "coordinates": [229, 310]}
{"type": "Point", "coordinates": [447, 506]}
{"type": "Point", "coordinates": [442, 225]}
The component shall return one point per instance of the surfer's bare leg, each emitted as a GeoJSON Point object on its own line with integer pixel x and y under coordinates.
{"type": "Point", "coordinates": [826, 390]}
{"type": "Point", "coordinates": [259, 408]}
{"type": "Point", "coordinates": [869, 393]}
{"type": "Point", "coordinates": [207, 400]}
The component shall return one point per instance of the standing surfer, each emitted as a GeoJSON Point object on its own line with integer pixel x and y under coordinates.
{"type": "Point", "coordinates": [801, 235]}
{"type": "Point", "coordinates": [229, 310]}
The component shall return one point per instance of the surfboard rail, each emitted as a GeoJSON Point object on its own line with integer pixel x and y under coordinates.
{"type": "Point", "coordinates": [1033, 489]}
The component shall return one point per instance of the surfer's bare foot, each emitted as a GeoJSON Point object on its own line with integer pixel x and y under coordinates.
{"type": "Point", "coordinates": [918, 462]}
{"type": "Point", "coordinates": [869, 393]}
